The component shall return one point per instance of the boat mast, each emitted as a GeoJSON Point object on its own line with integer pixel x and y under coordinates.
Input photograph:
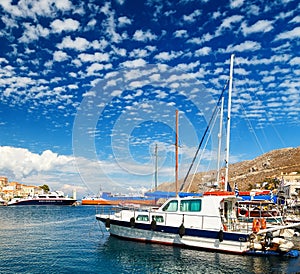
{"type": "Point", "coordinates": [176, 153]}
{"type": "Point", "coordinates": [156, 167]}
{"type": "Point", "coordinates": [220, 140]}
{"type": "Point", "coordinates": [228, 122]}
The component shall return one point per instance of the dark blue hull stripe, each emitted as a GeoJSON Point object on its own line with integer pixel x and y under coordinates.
{"type": "Point", "coordinates": [44, 202]}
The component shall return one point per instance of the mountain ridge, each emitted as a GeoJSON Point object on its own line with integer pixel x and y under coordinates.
{"type": "Point", "coordinates": [246, 174]}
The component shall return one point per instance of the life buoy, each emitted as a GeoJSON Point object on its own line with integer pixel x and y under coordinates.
{"type": "Point", "coordinates": [181, 230]}
{"type": "Point", "coordinates": [263, 223]}
{"type": "Point", "coordinates": [153, 225]}
{"type": "Point", "coordinates": [225, 227]}
{"type": "Point", "coordinates": [132, 221]}
{"type": "Point", "coordinates": [243, 211]}
{"type": "Point", "coordinates": [107, 223]}
{"type": "Point", "coordinates": [255, 225]}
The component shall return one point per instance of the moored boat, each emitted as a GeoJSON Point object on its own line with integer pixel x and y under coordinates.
{"type": "Point", "coordinates": [107, 198]}
{"type": "Point", "coordinates": [51, 198]}
{"type": "Point", "coordinates": [207, 222]}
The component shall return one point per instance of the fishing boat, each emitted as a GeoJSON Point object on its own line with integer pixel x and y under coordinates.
{"type": "Point", "coordinates": [207, 222]}
{"type": "Point", "coordinates": [107, 198]}
{"type": "Point", "coordinates": [51, 198]}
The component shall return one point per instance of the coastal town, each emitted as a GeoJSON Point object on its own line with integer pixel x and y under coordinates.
{"type": "Point", "coordinates": [9, 190]}
{"type": "Point", "coordinates": [15, 193]}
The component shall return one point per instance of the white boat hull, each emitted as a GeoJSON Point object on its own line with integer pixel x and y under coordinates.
{"type": "Point", "coordinates": [175, 239]}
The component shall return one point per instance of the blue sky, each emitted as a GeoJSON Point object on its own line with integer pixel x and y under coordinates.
{"type": "Point", "coordinates": [88, 88]}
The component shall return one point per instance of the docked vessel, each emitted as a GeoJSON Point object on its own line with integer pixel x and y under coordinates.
{"type": "Point", "coordinates": [107, 198]}
{"type": "Point", "coordinates": [51, 198]}
{"type": "Point", "coordinates": [208, 222]}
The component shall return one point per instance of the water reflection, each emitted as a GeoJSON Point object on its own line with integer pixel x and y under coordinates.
{"type": "Point", "coordinates": [69, 240]}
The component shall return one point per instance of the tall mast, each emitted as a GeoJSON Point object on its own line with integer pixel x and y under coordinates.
{"type": "Point", "coordinates": [156, 167]}
{"type": "Point", "coordinates": [176, 153]}
{"type": "Point", "coordinates": [228, 121]}
{"type": "Point", "coordinates": [220, 140]}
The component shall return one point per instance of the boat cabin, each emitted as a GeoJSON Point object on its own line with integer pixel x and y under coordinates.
{"type": "Point", "coordinates": [207, 212]}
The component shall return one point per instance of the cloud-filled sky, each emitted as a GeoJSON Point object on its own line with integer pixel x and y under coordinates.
{"type": "Point", "coordinates": [89, 88]}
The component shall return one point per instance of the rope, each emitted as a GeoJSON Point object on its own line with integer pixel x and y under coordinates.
{"type": "Point", "coordinates": [205, 132]}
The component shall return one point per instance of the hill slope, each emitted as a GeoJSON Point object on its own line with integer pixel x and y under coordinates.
{"type": "Point", "coordinates": [247, 173]}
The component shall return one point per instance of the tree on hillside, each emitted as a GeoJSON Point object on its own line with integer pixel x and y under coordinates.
{"type": "Point", "coordinates": [45, 188]}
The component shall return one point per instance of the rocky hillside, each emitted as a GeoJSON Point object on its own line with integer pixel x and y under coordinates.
{"type": "Point", "coordinates": [247, 173]}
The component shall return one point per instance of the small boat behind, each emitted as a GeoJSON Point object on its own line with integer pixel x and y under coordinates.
{"type": "Point", "coordinates": [51, 198]}
{"type": "Point", "coordinates": [107, 198]}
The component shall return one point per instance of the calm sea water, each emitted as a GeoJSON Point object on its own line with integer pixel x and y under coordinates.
{"type": "Point", "coordinates": [58, 239]}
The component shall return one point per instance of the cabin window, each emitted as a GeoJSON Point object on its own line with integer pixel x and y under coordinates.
{"type": "Point", "coordinates": [190, 205]}
{"type": "Point", "coordinates": [159, 219]}
{"type": "Point", "coordinates": [143, 218]}
{"type": "Point", "coordinates": [172, 206]}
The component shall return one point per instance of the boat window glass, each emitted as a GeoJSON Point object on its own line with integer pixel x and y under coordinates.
{"type": "Point", "coordinates": [171, 206]}
{"type": "Point", "coordinates": [159, 219]}
{"type": "Point", "coordinates": [190, 205]}
{"type": "Point", "coordinates": [144, 218]}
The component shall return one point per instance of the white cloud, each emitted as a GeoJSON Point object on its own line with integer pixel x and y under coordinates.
{"type": "Point", "coordinates": [69, 24]}
{"type": "Point", "coordinates": [33, 32]}
{"type": "Point", "coordinates": [195, 40]}
{"type": "Point", "coordinates": [141, 53]}
{"type": "Point", "coordinates": [192, 17]}
{"type": "Point", "coordinates": [236, 3]}
{"type": "Point", "coordinates": [134, 63]}
{"type": "Point", "coordinates": [228, 22]}
{"type": "Point", "coordinates": [79, 44]}
{"type": "Point", "coordinates": [292, 34]}
{"type": "Point", "coordinates": [21, 162]}
{"type": "Point", "coordinates": [203, 51]}
{"type": "Point", "coordinates": [259, 26]}
{"type": "Point", "coordinates": [123, 21]}
{"type": "Point", "coordinates": [181, 33]}
{"type": "Point", "coordinates": [296, 19]}
{"type": "Point", "coordinates": [94, 67]}
{"type": "Point", "coordinates": [32, 9]}
{"type": "Point", "coordinates": [167, 56]}
{"type": "Point", "coordinates": [60, 56]}
{"type": "Point", "coordinates": [245, 46]}
{"type": "Point", "coordinates": [142, 36]}
{"type": "Point", "coordinates": [91, 23]}
{"type": "Point", "coordinates": [295, 61]}
{"type": "Point", "coordinates": [96, 57]}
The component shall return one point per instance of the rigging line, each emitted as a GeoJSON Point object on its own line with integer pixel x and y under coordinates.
{"type": "Point", "coordinates": [200, 144]}
{"type": "Point", "coordinates": [266, 113]}
{"type": "Point", "coordinates": [207, 139]}
{"type": "Point", "coordinates": [251, 128]}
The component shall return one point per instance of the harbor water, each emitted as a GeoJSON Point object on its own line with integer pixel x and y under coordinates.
{"type": "Point", "coordinates": [63, 239]}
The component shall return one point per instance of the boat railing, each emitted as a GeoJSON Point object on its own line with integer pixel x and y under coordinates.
{"type": "Point", "coordinates": [108, 210]}
{"type": "Point", "coordinates": [175, 219]}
